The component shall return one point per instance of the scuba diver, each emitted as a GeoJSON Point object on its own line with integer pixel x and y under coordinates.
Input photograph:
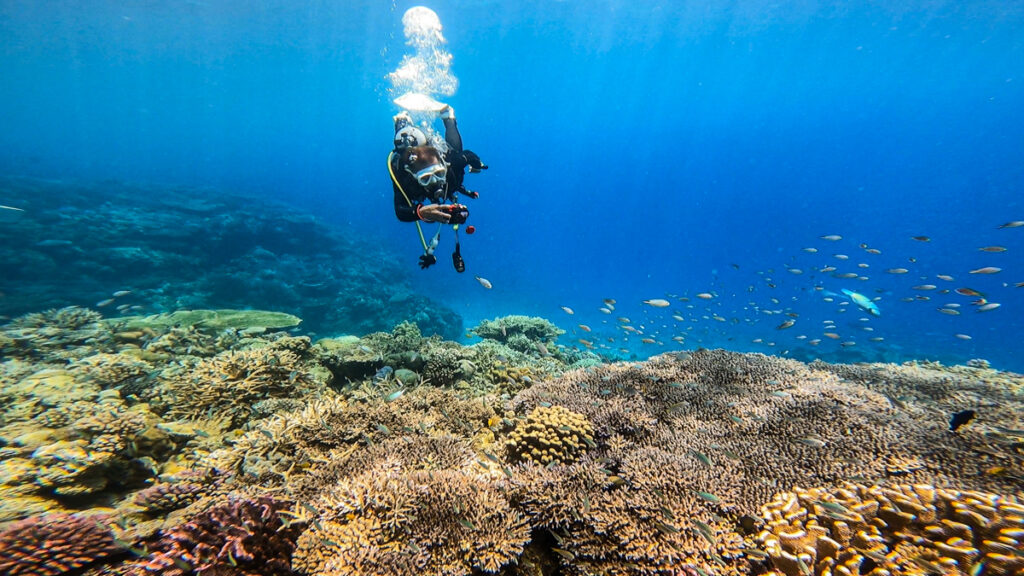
{"type": "Point", "coordinates": [427, 181]}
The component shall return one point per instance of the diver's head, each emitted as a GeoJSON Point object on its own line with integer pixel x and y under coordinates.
{"type": "Point", "coordinates": [409, 136]}
{"type": "Point", "coordinates": [427, 167]}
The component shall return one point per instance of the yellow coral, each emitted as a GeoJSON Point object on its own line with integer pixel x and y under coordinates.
{"type": "Point", "coordinates": [551, 434]}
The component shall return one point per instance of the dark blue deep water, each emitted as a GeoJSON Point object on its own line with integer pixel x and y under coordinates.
{"type": "Point", "coordinates": [638, 150]}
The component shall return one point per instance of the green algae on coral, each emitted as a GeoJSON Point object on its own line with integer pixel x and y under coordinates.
{"type": "Point", "coordinates": [215, 320]}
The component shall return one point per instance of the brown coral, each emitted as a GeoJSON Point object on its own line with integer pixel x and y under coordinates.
{"type": "Point", "coordinates": [412, 522]}
{"type": "Point", "coordinates": [905, 529]}
{"type": "Point", "coordinates": [58, 334]}
{"type": "Point", "coordinates": [115, 371]}
{"type": "Point", "coordinates": [228, 384]}
{"type": "Point", "coordinates": [53, 544]}
{"type": "Point", "coordinates": [168, 496]}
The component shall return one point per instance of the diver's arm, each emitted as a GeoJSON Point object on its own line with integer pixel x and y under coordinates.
{"type": "Point", "coordinates": [403, 211]}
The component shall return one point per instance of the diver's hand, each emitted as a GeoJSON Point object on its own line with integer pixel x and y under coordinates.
{"type": "Point", "coordinates": [473, 161]}
{"type": "Point", "coordinates": [435, 213]}
{"type": "Point", "coordinates": [427, 260]}
{"type": "Point", "coordinates": [446, 113]}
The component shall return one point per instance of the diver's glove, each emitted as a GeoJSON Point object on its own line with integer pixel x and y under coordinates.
{"type": "Point", "coordinates": [427, 260]}
{"type": "Point", "coordinates": [402, 119]}
{"type": "Point", "coordinates": [447, 113]}
{"type": "Point", "coordinates": [473, 161]}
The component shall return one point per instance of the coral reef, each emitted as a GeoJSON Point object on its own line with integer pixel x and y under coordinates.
{"type": "Point", "coordinates": [220, 447]}
{"type": "Point", "coordinates": [485, 367]}
{"type": "Point", "coordinates": [550, 434]}
{"type": "Point", "coordinates": [902, 529]}
{"type": "Point", "coordinates": [54, 544]}
{"type": "Point", "coordinates": [142, 249]}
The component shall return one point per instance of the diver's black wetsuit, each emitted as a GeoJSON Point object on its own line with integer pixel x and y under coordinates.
{"type": "Point", "coordinates": [419, 195]}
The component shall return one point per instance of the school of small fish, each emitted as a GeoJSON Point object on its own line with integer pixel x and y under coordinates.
{"type": "Point", "coordinates": [835, 285]}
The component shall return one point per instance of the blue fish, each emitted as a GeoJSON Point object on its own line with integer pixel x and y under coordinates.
{"type": "Point", "coordinates": [863, 301]}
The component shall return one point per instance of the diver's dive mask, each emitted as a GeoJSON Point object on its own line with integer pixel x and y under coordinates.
{"type": "Point", "coordinates": [431, 175]}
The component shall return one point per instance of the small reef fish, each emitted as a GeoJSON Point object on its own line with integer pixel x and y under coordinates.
{"type": "Point", "coordinates": [921, 238]}
{"type": "Point", "coordinates": [1014, 224]}
{"type": "Point", "coordinates": [863, 301]}
{"type": "Point", "coordinates": [812, 442]}
{"type": "Point", "coordinates": [106, 302]}
{"type": "Point", "coordinates": [567, 310]}
{"type": "Point", "coordinates": [988, 306]}
{"type": "Point", "coordinates": [786, 324]}
{"type": "Point", "coordinates": [707, 496]}
{"type": "Point", "coordinates": [657, 302]}
{"type": "Point", "coordinates": [986, 270]}
{"type": "Point", "coordinates": [968, 292]}
{"type": "Point", "coordinates": [831, 237]}
{"type": "Point", "coordinates": [121, 293]}
{"type": "Point", "coordinates": [962, 336]}
{"type": "Point", "coordinates": [960, 418]}
{"type": "Point", "coordinates": [705, 296]}
{"type": "Point", "coordinates": [584, 327]}
{"type": "Point", "coordinates": [993, 249]}
{"type": "Point", "coordinates": [483, 282]}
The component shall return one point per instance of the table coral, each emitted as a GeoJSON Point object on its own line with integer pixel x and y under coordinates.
{"type": "Point", "coordinates": [551, 434]}
{"type": "Point", "coordinates": [903, 529]}
{"type": "Point", "coordinates": [521, 333]}
{"type": "Point", "coordinates": [53, 544]}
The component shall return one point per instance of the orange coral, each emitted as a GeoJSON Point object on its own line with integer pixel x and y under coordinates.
{"type": "Point", "coordinates": [906, 529]}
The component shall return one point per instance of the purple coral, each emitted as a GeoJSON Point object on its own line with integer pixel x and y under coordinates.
{"type": "Point", "coordinates": [240, 538]}
{"type": "Point", "coordinates": [53, 544]}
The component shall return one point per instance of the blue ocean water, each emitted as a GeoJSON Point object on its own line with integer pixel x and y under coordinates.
{"type": "Point", "coordinates": [638, 150]}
